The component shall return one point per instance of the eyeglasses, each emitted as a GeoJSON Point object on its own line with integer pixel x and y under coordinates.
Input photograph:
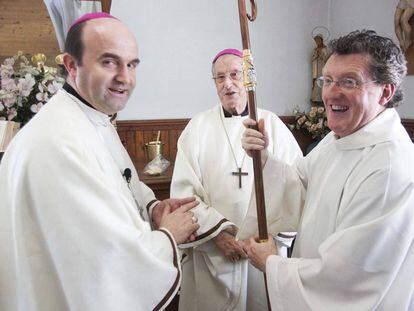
{"type": "Point", "coordinates": [236, 75]}
{"type": "Point", "coordinates": [346, 83]}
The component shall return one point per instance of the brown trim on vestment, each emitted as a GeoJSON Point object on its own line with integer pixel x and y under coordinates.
{"type": "Point", "coordinates": [150, 203]}
{"type": "Point", "coordinates": [286, 236]}
{"type": "Point", "coordinates": [207, 233]}
{"type": "Point", "coordinates": [177, 279]}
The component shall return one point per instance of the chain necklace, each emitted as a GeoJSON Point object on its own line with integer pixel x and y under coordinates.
{"type": "Point", "coordinates": [239, 172]}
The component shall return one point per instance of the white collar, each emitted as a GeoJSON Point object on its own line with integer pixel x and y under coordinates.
{"type": "Point", "coordinates": [385, 127]}
{"type": "Point", "coordinates": [96, 117]}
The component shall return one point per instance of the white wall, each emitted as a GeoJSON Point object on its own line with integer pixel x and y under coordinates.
{"type": "Point", "coordinates": [178, 39]}
{"type": "Point", "coordinates": [349, 15]}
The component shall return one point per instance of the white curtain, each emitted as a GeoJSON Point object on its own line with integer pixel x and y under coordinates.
{"type": "Point", "coordinates": [64, 12]}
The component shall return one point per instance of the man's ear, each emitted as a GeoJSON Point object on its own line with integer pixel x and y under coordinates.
{"type": "Point", "coordinates": [70, 64]}
{"type": "Point", "coordinates": [387, 93]}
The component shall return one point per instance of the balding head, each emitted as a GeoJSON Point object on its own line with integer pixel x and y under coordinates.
{"type": "Point", "coordinates": [104, 73]}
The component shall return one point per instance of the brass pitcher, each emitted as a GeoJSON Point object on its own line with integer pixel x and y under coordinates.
{"type": "Point", "coordinates": [152, 149]}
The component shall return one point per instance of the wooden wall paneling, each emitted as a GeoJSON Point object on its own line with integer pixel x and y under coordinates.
{"type": "Point", "coordinates": [174, 136]}
{"type": "Point", "coordinates": [26, 26]}
{"type": "Point", "coordinates": [106, 5]}
{"type": "Point", "coordinates": [131, 145]}
{"type": "Point", "coordinates": [139, 142]}
{"type": "Point", "coordinates": [147, 130]}
{"type": "Point", "coordinates": [135, 134]}
{"type": "Point", "coordinates": [165, 138]}
{"type": "Point", "coordinates": [122, 137]}
{"type": "Point", "coordinates": [409, 126]}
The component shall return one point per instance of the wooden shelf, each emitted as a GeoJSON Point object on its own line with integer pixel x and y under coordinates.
{"type": "Point", "coordinates": [160, 184]}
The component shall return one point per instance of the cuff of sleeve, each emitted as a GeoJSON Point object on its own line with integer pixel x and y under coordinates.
{"type": "Point", "coordinates": [223, 224]}
{"type": "Point", "coordinates": [150, 207]}
{"type": "Point", "coordinates": [172, 241]}
{"type": "Point", "coordinates": [230, 228]}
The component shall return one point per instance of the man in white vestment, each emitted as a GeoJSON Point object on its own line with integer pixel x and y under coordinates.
{"type": "Point", "coordinates": [74, 217]}
{"type": "Point", "coordinates": [212, 166]}
{"type": "Point", "coordinates": [352, 198]}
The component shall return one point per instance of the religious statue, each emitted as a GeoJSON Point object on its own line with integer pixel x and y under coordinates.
{"type": "Point", "coordinates": [319, 57]}
{"type": "Point", "coordinates": [403, 28]}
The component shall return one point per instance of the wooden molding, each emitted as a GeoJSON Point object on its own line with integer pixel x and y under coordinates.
{"type": "Point", "coordinates": [106, 6]}
{"type": "Point", "coordinates": [26, 26]}
{"type": "Point", "coordinates": [135, 133]}
{"type": "Point", "coordinates": [409, 126]}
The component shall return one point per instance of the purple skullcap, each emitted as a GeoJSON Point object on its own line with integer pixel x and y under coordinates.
{"type": "Point", "coordinates": [89, 16]}
{"type": "Point", "coordinates": [228, 51]}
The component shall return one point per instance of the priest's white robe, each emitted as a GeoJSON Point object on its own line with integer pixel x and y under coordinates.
{"type": "Point", "coordinates": [71, 237]}
{"type": "Point", "coordinates": [352, 200]}
{"type": "Point", "coordinates": [203, 168]}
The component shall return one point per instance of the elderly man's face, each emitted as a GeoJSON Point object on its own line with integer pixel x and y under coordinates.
{"type": "Point", "coordinates": [231, 91]}
{"type": "Point", "coordinates": [350, 109]}
{"type": "Point", "coordinates": [106, 77]}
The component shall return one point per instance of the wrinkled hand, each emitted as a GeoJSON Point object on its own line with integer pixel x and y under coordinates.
{"type": "Point", "coordinates": [258, 252]}
{"type": "Point", "coordinates": [181, 222]}
{"type": "Point", "coordinates": [158, 209]}
{"type": "Point", "coordinates": [229, 247]}
{"type": "Point", "coordinates": [255, 140]}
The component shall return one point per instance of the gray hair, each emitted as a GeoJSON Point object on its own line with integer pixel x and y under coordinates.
{"type": "Point", "coordinates": [386, 60]}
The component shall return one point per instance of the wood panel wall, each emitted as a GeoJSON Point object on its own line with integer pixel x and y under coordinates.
{"type": "Point", "coordinates": [26, 26]}
{"type": "Point", "coordinates": [409, 126]}
{"type": "Point", "coordinates": [134, 135]}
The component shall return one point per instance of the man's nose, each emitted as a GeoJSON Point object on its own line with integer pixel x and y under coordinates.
{"type": "Point", "coordinates": [331, 92]}
{"type": "Point", "coordinates": [227, 81]}
{"type": "Point", "coordinates": [123, 75]}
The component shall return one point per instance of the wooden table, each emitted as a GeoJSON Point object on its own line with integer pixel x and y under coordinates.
{"type": "Point", "coordinates": [160, 184]}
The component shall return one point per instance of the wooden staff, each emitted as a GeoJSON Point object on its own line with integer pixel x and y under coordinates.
{"type": "Point", "coordinates": [249, 78]}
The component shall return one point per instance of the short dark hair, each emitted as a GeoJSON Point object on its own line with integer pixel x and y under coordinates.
{"type": "Point", "coordinates": [386, 60]}
{"type": "Point", "coordinates": [74, 44]}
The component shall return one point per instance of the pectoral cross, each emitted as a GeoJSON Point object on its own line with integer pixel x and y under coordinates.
{"type": "Point", "coordinates": [240, 174]}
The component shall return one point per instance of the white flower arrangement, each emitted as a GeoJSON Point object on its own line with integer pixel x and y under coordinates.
{"type": "Point", "coordinates": [314, 122]}
{"type": "Point", "coordinates": [24, 89]}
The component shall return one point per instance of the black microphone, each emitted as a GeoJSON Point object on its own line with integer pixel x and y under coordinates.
{"type": "Point", "coordinates": [127, 174]}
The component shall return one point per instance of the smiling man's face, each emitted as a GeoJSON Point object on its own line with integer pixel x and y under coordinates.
{"type": "Point", "coordinates": [232, 93]}
{"type": "Point", "coordinates": [350, 109]}
{"type": "Point", "coordinates": [106, 76]}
